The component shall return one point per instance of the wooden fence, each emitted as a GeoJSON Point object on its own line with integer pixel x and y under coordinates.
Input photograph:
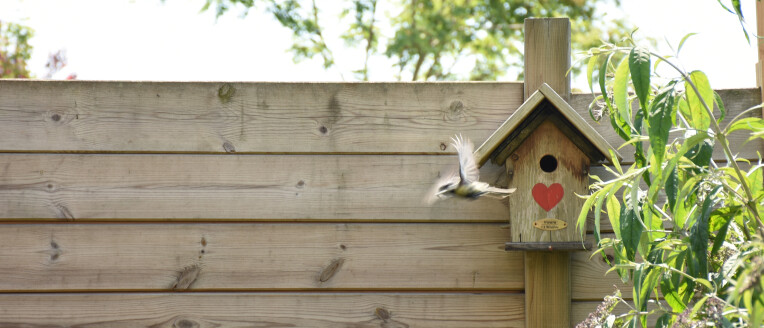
{"type": "Point", "coordinates": [261, 204]}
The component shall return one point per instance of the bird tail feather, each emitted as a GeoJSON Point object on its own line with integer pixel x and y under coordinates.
{"type": "Point", "coordinates": [499, 193]}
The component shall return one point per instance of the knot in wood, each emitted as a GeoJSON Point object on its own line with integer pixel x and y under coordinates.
{"type": "Point", "coordinates": [185, 323]}
{"type": "Point", "coordinates": [382, 313]}
{"type": "Point", "coordinates": [228, 147]}
{"type": "Point", "coordinates": [330, 270]}
{"type": "Point", "coordinates": [187, 277]}
{"type": "Point", "coordinates": [225, 93]}
{"type": "Point", "coordinates": [455, 110]}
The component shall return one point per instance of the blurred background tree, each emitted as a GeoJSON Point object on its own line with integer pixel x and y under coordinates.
{"type": "Point", "coordinates": [427, 39]}
{"type": "Point", "coordinates": [15, 50]}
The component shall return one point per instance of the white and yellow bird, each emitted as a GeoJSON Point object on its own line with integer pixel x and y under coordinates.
{"type": "Point", "coordinates": [466, 184]}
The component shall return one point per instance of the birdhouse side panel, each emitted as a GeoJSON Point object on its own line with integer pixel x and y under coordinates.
{"type": "Point", "coordinates": [548, 170]}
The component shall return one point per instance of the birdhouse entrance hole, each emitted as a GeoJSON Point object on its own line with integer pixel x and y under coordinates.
{"type": "Point", "coordinates": [548, 163]}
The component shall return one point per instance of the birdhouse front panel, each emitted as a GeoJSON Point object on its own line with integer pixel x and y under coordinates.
{"type": "Point", "coordinates": [548, 170]}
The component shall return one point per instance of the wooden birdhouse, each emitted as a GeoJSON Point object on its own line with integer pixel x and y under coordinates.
{"type": "Point", "coordinates": [547, 148]}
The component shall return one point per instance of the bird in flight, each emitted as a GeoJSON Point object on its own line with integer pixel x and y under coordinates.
{"type": "Point", "coordinates": [465, 184]}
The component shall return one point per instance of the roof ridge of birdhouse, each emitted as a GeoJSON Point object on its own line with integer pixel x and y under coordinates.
{"type": "Point", "coordinates": [508, 130]}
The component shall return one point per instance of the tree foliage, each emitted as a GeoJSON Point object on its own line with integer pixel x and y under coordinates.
{"type": "Point", "coordinates": [429, 38]}
{"type": "Point", "coordinates": [15, 50]}
{"type": "Point", "coordinates": [687, 229]}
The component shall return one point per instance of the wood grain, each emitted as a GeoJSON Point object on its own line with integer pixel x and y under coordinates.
{"type": "Point", "coordinates": [547, 274]}
{"type": "Point", "coordinates": [548, 40]}
{"type": "Point", "coordinates": [590, 280]}
{"type": "Point", "coordinates": [547, 289]}
{"type": "Point", "coordinates": [249, 117]}
{"type": "Point", "coordinates": [290, 256]}
{"type": "Point", "coordinates": [210, 117]}
{"type": "Point", "coordinates": [570, 173]}
{"type": "Point", "coordinates": [262, 310]}
{"type": "Point", "coordinates": [77, 187]}
{"type": "Point", "coordinates": [86, 187]}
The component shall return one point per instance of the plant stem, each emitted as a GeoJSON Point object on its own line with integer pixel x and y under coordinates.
{"type": "Point", "coordinates": [741, 114]}
{"type": "Point", "coordinates": [725, 146]}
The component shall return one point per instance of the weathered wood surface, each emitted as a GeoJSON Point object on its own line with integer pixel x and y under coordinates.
{"type": "Point", "coordinates": [570, 175]}
{"type": "Point", "coordinates": [565, 246]}
{"type": "Point", "coordinates": [249, 117]}
{"type": "Point", "coordinates": [548, 40]}
{"type": "Point", "coordinates": [547, 274]}
{"type": "Point", "coordinates": [207, 117]}
{"type": "Point", "coordinates": [221, 187]}
{"type": "Point", "coordinates": [590, 280]}
{"type": "Point", "coordinates": [83, 187]}
{"type": "Point", "coordinates": [262, 310]}
{"type": "Point", "coordinates": [288, 256]}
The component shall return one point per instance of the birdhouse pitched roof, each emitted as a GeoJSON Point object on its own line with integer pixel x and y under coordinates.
{"type": "Point", "coordinates": [544, 104]}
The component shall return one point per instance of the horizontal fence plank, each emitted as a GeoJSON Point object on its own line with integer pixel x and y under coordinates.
{"type": "Point", "coordinates": [262, 310]}
{"type": "Point", "coordinates": [81, 187]}
{"type": "Point", "coordinates": [249, 117]}
{"type": "Point", "coordinates": [210, 117]}
{"type": "Point", "coordinates": [287, 256]}
{"type": "Point", "coordinates": [590, 279]}
{"type": "Point", "coordinates": [221, 187]}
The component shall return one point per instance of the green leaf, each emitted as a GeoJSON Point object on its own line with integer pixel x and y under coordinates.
{"type": "Point", "coordinates": [598, 211]}
{"type": "Point", "coordinates": [739, 13]}
{"type": "Point", "coordinates": [602, 79]}
{"type": "Point", "coordinates": [631, 231]}
{"type": "Point", "coordinates": [699, 116]}
{"type": "Point", "coordinates": [613, 207]}
{"type": "Point", "coordinates": [702, 153]}
{"type": "Point", "coordinates": [664, 321]}
{"type": "Point", "coordinates": [590, 70]}
{"type": "Point", "coordinates": [581, 221]}
{"type": "Point", "coordinates": [659, 122]}
{"type": "Point", "coordinates": [684, 109]}
{"type": "Point", "coordinates": [669, 288]}
{"type": "Point", "coordinates": [620, 94]}
{"type": "Point", "coordinates": [720, 221]}
{"type": "Point", "coordinates": [689, 143]}
{"type": "Point", "coordinates": [699, 237]}
{"type": "Point", "coordinates": [698, 306]}
{"type": "Point", "coordinates": [686, 288]}
{"type": "Point", "coordinates": [672, 188]}
{"type": "Point", "coordinates": [681, 43]}
{"type": "Point", "coordinates": [748, 123]}
{"type": "Point", "coordinates": [720, 104]}
{"type": "Point", "coordinates": [639, 66]}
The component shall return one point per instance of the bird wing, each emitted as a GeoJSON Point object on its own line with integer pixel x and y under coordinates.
{"type": "Point", "coordinates": [468, 170]}
{"type": "Point", "coordinates": [434, 193]}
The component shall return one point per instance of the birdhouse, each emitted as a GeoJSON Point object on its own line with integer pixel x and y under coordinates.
{"type": "Point", "coordinates": [547, 148]}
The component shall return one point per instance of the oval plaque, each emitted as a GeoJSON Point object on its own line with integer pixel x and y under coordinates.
{"type": "Point", "coordinates": [550, 224]}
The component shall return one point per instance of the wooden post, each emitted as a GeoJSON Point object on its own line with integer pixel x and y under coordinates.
{"type": "Point", "coordinates": [547, 55]}
{"type": "Point", "coordinates": [547, 274]}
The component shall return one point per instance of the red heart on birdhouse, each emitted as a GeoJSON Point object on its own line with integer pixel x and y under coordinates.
{"type": "Point", "coordinates": [547, 197]}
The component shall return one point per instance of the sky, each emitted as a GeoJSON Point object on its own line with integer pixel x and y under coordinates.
{"type": "Point", "coordinates": [151, 40]}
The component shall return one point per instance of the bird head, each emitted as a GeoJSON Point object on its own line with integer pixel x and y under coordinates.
{"type": "Point", "coordinates": [446, 189]}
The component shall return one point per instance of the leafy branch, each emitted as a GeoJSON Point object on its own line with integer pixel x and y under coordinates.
{"type": "Point", "coordinates": [701, 247]}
